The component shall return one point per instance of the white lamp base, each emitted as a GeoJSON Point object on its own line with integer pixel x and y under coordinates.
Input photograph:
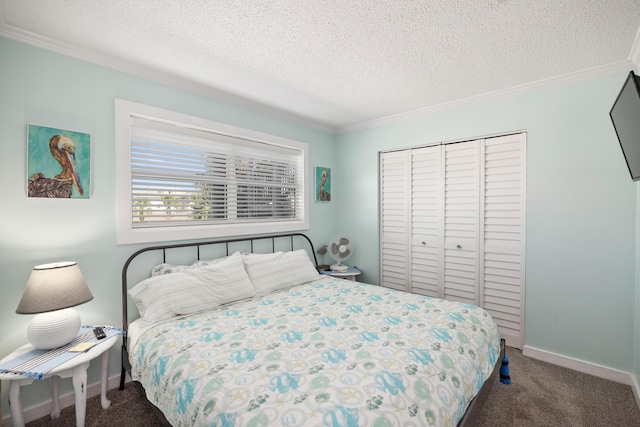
{"type": "Point", "coordinates": [53, 329]}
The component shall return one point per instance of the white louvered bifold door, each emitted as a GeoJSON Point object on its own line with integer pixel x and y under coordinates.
{"type": "Point", "coordinates": [503, 266]}
{"type": "Point", "coordinates": [461, 222]}
{"type": "Point", "coordinates": [394, 216]}
{"type": "Point", "coordinates": [427, 218]}
{"type": "Point", "coordinates": [453, 225]}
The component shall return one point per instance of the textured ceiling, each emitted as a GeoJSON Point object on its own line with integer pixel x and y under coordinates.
{"type": "Point", "coordinates": [336, 64]}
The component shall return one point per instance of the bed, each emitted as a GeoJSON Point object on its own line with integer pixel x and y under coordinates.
{"type": "Point", "coordinates": [248, 333]}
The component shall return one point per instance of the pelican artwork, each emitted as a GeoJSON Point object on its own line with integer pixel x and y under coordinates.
{"type": "Point", "coordinates": [60, 186]}
{"type": "Point", "coordinates": [323, 194]}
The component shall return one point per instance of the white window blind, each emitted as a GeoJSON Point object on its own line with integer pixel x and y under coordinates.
{"type": "Point", "coordinates": [184, 176]}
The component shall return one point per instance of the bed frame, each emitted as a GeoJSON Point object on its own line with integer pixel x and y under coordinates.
{"type": "Point", "coordinates": [285, 242]}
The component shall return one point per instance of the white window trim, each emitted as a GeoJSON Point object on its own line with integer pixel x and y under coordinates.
{"type": "Point", "coordinates": [126, 234]}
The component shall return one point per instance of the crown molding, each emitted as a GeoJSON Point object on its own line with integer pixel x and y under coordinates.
{"type": "Point", "coordinates": [603, 70]}
{"type": "Point", "coordinates": [155, 75]}
{"type": "Point", "coordinates": [152, 74]}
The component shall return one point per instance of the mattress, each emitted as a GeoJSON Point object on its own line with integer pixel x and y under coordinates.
{"type": "Point", "coordinates": [327, 353]}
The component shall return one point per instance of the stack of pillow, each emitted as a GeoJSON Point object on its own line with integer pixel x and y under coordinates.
{"type": "Point", "coordinates": [185, 289]}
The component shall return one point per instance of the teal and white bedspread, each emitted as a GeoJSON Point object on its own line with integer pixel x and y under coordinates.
{"type": "Point", "coordinates": [328, 353]}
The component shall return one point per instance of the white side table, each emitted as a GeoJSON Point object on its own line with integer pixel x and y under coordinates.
{"type": "Point", "coordinates": [350, 274]}
{"type": "Point", "coordinates": [75, 368]}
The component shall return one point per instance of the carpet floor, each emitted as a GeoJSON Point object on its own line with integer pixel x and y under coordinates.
{"type": "Point", "coordinates": [541, 394]}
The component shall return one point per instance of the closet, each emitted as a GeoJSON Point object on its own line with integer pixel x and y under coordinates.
{"type": "Point", "coordinates": [452, 225]}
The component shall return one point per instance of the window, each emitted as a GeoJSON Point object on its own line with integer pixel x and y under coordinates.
{"type": "Point", "coordinates": [182, 177]}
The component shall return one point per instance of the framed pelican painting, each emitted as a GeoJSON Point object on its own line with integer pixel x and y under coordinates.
{"type": "Point", "coordinates": [59, 163]}
{"type": "Point", "coordinates": [323, 184]}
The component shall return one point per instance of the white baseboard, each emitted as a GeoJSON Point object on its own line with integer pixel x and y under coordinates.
{"type": "Point", "coordinates": [579, 365]}
{"type": "Point", "coordinates": [636, 390]}
{"type": "Point", "coordinates": [68, 399]}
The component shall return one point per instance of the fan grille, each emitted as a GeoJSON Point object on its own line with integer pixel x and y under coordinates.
{"type": "Point", "coordinates": [340, 248]}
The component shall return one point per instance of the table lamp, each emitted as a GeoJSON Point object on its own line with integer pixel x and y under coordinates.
{"type": "Point", "coordinates": [51, 291]}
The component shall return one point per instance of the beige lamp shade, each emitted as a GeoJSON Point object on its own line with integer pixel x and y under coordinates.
{"type": "Point", "coordinates": [53, 287]}
{"type": "Point", "coordinates": [51, 291]}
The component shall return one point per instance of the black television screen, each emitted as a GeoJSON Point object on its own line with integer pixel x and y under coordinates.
{"type": "Point", "coordinates": [625, 115]}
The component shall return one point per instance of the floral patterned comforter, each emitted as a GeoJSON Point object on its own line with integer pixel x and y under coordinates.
{"type": "Point", "coordinates": [328, 353]}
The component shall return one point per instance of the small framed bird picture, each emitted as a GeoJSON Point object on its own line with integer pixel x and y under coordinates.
{"type": "Point", "coordinates": [58, 163]}
{"type": "Point", "coordinates": [323, 184]}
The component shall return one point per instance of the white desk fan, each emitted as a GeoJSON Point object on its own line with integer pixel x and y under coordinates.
{"type": "Point", "coordinates": [340, 249]}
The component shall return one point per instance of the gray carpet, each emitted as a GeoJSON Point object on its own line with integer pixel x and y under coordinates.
{"type": "Point", "coordinates": [540, 394]}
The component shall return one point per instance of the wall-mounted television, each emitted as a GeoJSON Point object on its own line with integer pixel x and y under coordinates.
{"type": "Point", "coordinates": [625, 115]}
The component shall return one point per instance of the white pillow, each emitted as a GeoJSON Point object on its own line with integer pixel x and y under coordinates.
{"type": "Point", "coordinates": [203, 263]}
{"type": "Point", "coordinates": [165, 268]}
{"type": "Point", "coordinates": [279, 270]}
{"type": "Point", "coordinates": [192, 290]}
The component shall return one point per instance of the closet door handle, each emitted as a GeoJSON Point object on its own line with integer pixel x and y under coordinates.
{"type": "Point", "coordinates": [459, 246]}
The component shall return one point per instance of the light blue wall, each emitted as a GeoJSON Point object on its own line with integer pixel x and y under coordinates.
{"type": "Point", "coordinates": [581, 210]}
{"type": "Point", "coordinates": [45, 88]}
